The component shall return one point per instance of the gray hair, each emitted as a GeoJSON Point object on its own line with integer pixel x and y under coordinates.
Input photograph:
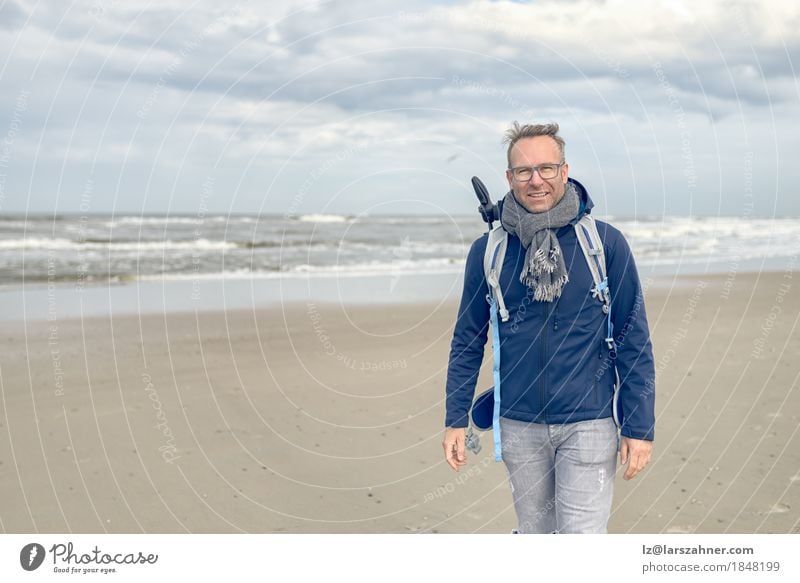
{"type": "Point", "coordinates": [517, 132]}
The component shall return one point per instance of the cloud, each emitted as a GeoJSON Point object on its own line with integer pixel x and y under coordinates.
{"type": "Point", "coordinates": [253, 86]}
{"type": "Point", "coordinates": [11, 15]}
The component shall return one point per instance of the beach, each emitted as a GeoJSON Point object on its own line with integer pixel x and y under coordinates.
{"type": "Point", "coordinates": [327, 417]}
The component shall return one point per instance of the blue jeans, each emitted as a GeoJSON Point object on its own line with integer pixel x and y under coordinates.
{"type": "Point", "coordinates": [562, 476]}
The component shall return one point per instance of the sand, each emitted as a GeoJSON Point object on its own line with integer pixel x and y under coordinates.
{"type": "Point", "coordinates": [324, 418]}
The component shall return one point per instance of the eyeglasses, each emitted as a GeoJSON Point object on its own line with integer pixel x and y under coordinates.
{"type": "Point", "coordinates": [546, 171]}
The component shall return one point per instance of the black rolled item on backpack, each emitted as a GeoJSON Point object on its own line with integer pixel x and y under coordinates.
{"type": "Point", "coordinates": [488, 210]}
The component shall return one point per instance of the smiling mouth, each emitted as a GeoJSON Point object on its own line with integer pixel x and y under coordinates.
{"type": "Point", "coordinates": [537, 194]}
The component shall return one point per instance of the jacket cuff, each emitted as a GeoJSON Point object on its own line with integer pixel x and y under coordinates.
{"type": "Point", "coordinates": [457, 421]}
{"type": "Point", "coordinates": [647, 435]}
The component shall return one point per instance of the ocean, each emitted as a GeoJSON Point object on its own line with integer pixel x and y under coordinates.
{"type": "Point", "coordinates": [83, 265]}
{"type": "Point", "coordinates": [98, 250]}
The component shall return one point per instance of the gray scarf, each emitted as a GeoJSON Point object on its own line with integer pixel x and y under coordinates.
{"type": "Point", "coordinates": [544, 271]}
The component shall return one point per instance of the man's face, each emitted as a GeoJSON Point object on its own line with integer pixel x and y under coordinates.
{"type": "Point", "coordinates": [537, 195]}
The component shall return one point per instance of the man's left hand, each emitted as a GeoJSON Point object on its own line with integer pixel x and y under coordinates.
{"type": "Point", "coordinates": [635, 453]}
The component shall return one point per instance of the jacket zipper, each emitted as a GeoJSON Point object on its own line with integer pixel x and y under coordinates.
{"type": "Point", "coordinates": [543, 362]}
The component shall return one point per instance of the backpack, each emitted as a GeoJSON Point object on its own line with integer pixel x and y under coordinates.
{"type": "Point", "coordinates": [486, 409]}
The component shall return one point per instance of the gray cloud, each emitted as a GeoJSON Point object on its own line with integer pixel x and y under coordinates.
{"type": "Point", "coordinates": [11, 15]}
{"type": "Point", "coordinates": [110, 80]}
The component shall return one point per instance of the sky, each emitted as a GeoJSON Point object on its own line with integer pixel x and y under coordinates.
{"type": "Point", "coordinates": [371, 107]}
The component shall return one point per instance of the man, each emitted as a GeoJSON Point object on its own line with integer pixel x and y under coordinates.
{"type": "Point", "coordinates": [559, 437]}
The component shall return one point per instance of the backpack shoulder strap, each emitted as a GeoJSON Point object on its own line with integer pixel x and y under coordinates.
{"type": "Point", "coordinates": [493, 265]}
{"type": "Point", "coordinates": [592, 246]}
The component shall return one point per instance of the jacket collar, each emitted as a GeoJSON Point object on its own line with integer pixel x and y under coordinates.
{"type": "Point", "coordinates": [586, 204]}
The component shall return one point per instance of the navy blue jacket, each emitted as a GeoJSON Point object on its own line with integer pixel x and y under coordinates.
{"type": "Point", "coordinates": [555, 366]}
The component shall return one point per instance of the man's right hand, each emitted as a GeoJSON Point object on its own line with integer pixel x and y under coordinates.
{"type": "Point", "coordinates": [454, 441]}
